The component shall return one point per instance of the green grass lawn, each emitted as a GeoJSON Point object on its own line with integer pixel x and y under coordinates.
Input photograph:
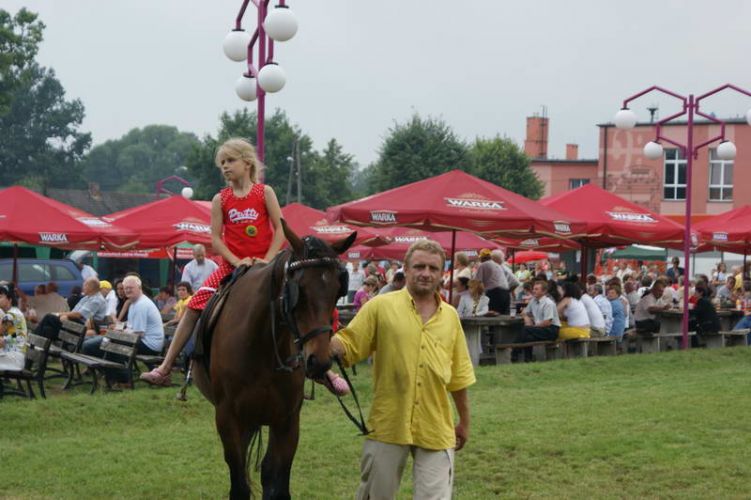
{"type": "Point", "coordinates": [666, 425]}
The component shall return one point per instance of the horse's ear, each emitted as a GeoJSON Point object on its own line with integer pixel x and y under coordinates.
{"type": "Point", "coordinates": [294, 241]}
{"type": "Point", "coordinates": [342, 245]}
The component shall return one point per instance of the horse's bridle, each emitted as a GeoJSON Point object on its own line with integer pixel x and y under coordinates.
{"type": "Point", "coordinates": [288, 297]}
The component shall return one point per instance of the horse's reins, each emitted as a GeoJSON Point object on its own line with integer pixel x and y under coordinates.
{"type": "Point", "coordinates": [288, 296]}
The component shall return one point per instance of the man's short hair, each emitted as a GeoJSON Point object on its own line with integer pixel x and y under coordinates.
{"type": "Point", "coordinates": [132, 279]}
{"type": "Point", "coordinates": [428, 246]}
{"type": "Point", "coordinates": [497, 255]}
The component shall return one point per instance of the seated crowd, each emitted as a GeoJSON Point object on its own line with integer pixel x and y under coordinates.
{"type": "Point", "coordinates": [98, 305]}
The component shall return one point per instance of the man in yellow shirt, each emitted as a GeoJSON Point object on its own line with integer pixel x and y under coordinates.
{"type": "Point", "coordinates": [421, 357]}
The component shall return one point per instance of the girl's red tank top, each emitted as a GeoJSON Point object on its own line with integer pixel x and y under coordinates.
{"type": "Point", "coordinates": [247, 228]}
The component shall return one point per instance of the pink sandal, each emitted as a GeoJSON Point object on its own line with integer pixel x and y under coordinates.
{"type": "Point", "coordinates": [335, 384]}
{"type": "Point", "coordinates": [155, 377]}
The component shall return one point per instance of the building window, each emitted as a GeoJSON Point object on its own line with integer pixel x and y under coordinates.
{"type": "Point", "coordinates": [675, 175]}
{"type": "Point", "coordinates": [720, 178]}
{"type": "Point", "coordinates": [576, 183]}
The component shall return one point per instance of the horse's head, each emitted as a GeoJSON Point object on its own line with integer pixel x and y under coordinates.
{"type": "Point", "coordinates": [315, 280]}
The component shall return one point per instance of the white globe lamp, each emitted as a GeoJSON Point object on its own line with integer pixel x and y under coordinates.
{"type": "Point", "coordinates": [187, 192]}
{"type": "Point", "coordinates": [271, 78]}
{"type": "Point", "coordinates": [726, 151]}
{"type": "Point", "coordinates": [625, 119]}
{"type": "Point", "coordinates": [653, 150]}
{"type": "Point", "coordinates": [280, 23]}
{"type": "Point", "coordinates": [245, 88]}
{"type": "Point", "coordinates": [236, 45]}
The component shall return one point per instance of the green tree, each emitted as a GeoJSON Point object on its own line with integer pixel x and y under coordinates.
{"type": "Point", "coordinates": [141, 157]}
{"type": "Point", "coordinates": [40, 141]}
{"type": "Point", "coordinates": [280, 137]}
{"type": "Point", "coordinates": [332, 173]}
{"type": "Point", "coordinates": [417, 150]}
{"type": "Point", "coordinates": [502, 162]}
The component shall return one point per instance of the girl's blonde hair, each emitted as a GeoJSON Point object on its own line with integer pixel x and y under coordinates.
{"type": "Point", "coordinates": [238, 148]}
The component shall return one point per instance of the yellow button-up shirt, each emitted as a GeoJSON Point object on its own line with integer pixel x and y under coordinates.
{"type": "Point", "coordinates": [417, 364]}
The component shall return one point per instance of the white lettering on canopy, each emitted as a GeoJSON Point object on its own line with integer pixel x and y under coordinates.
{"type": "Point", "coordinates": [631, 217]}
{"type": "Point", "coordinates": [475, 204]}
{"type": "Point", "coordinates": [53, 237]}
{"type": "Point", "coordinates": [383, 217]}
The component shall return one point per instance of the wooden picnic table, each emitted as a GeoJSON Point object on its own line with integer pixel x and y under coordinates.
{"type": "Point", "coordinates": [670, 320]}
{"type": "Point", "coordinates": [503, 329]}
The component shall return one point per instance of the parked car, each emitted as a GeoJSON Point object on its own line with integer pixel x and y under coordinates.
{"type": "Point", "coordinates": [33, 272]}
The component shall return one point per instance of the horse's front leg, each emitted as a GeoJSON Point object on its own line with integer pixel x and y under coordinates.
{"type": "Point", "coordinates": [277, 463]}
{"type": "Point", "coordinates": [235, 440]}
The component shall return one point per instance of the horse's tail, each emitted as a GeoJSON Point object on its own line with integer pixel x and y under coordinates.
{"type": "Point", "coordinates": [256, 443]}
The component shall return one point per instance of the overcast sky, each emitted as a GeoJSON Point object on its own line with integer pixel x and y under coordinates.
{"type": "Point", "coordinates": [355, 67]}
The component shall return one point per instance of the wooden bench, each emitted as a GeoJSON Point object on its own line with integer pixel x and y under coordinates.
{"type": "Point", "coordinates": [69, 339]}
{"type": "Point", "coordinates": [119, 354]}
{"type": "Point", "coordinates": [730, 338]}
{"type": "Point", "coordinates": [36, 364]}
{"type": "Point", "coordinates": [601, 346]}
{"type": "Point", "coordinates": [542, 351]}
{"type": "Point", "coordinates": [656, 342]}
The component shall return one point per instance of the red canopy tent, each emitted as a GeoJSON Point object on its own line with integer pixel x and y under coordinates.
{"type": "Point", "coordinates": [401, 238]}
{"type": "Point", "coordinates": [307, 221]}
{"type": "Point", "coordinates": [527, 256]}
{"type": "Point", "coordinates": [167, 222]}
{"type": "Point", "coordinates": [611, 220]}
{"type": "Point", "coordinates": [457, 201]}
{"type": "Point", "coordinates": [729, 231]}
{"type": "Point", "coordinates": [31, 218]}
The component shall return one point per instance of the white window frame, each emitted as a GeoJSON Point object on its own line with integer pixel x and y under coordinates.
{"type": "Point", "coordinates": [577, 183]}
{"type": "Point", "coordinates": [675, 164]}
{"type": "Point", "coordinates": [722, 186]}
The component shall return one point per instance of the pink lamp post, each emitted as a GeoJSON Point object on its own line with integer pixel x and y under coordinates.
{"type": "Point", "coordinates": [626, 119]}
{"type": "Point", "coordinates": [278, 24]}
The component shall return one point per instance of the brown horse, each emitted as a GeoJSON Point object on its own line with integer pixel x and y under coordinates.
{"type": "Point", "coordinates": [273, 331]}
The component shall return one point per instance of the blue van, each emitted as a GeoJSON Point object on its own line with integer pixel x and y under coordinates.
{"type": "Point", "coordinates": [33, 272]}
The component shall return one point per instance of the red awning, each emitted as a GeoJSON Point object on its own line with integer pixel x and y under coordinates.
{"type": "Point", "coordinates": [456, 201]}
{"type": "Point", "coordinates": [729, 231]}
{"type": "Point", "coordinates": [167, 222]}
{"type": "Point", "coordinates": [31, 218]}
{"type": "Point", "coordinates": [307, 221]}
{"type": "Point", "coordinates": [401, 238]}
{"type": "Point", "coordinates": [527, 256]}
{"type": "Point", "coordinates": [611, 220]}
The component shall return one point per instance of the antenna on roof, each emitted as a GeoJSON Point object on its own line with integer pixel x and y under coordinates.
{"type": "Point", "coordinates": [652, 112]}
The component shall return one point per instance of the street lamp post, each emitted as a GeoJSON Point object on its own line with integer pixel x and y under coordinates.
{"type": "Point", "coordinates": [626, 119]}
{"type": "Point", "coordinates": [160, 189]}
{"type": "Point", "coordinates": [278, 24]}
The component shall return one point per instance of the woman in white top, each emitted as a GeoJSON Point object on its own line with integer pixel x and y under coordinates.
{"type": "Point", "coordinates": [475, 303]}
{"type": "Point", "coordinates": [573, 314]}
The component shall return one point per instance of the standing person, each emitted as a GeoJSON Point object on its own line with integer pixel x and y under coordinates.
{"type": "Point", "coordinates": [246, 229]}
{"type": "Point", "coordinates": [356, 279]}
{"type": "Point", "coordinates": [86, 270]}
{"type": "Point", "coordinates": [675, 270]}
{"type": "Point", "coordinates": [199, 269]}
{"type": "Point", "coordinates": [494, 278]}
{"type": "Point", "coordinates": [422, 358]}
{"type": "Point", "coordinates": [13, 332]}
{"type": "Point", "coordinates": [367, 291]}
{"type": "Point", "coordinates": [541, 321]}
{"type": "Point", "coordinates": [720, 274]}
